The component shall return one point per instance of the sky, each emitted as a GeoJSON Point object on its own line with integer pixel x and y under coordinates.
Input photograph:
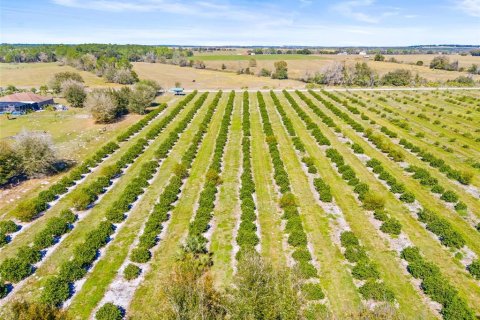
{"type": "Point", "coordinates": [224, 22]}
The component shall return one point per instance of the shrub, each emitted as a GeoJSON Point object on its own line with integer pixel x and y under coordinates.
{"type": "Point", "coordinates": [71, 271]}
{"type": "Point", "coordinates": [8, 226]}
{"type": "Point", "coordinates": [55, 292]}
{"type": "Point", "coordinates": [474, 268]}
{"type": "Point", "coordinates": [109, 311]}
{"type": "Point", "coordinates": [312, 291]}
{"type": "Point", "coordinates": [456, 309]}
{"type": "Point", "coordinates": [460, 206]}
{"type": "Point", "coordinates": [29, 254]}
{"type": "Point", "coordinates": [449, 196]}
{"type": "Point", "coordinates": [376, 291]}
{"type": "Point", "coordinates": [407, 197]}
{"type": "Point", "coordinates": [131, 272]}
{"type": "Point", "coordinates": [288, 199]}
{"type": "Point", "coordinates": [29, 209]}
{"type": "Point", "coordinates": [365, 270]}
{"type": "Point", "coordinates": [373, 201]}
{"type": "Point", "coordinates": [348, 238]}
{"type": "Point", "coordinates": [3, 290]}
{"type": "Point", "coordinates": [391, 226]}
{"type": "Point", "coordinates": [140, 255]}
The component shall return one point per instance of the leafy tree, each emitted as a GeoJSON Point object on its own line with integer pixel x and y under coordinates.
{"type": "Point", "coordinates": [36, 152]}
{"type": "Point", "coordinates": [399, 77]}
{"type": "Point", "coordinates": [15, 269]}
{"type": "Point", "coordinates": [379, 57]}
{"type": "Point", "coordinates": [74, 92]}
{"type": "Point", "coordinates": [281, 70]}
{"type": "Point", "coordinates": [131, 272]}
{"type": "Point", "coordinates": [22, 310]}
{"type": "Point", "coordinates": [55, 292]}
{"type": "Point", "coordinates": [57, 80]}
{"type": "Point", "coordinates": [141, 97]}
{"type": "Point", "coordinates": [101, 104]}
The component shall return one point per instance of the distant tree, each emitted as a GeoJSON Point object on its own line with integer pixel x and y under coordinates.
{"type": "Point", "coordinates": [333, 74]}
{"type": "Point", "coordinates": [399, 77]}
{"type": "Point", "coordinates": [252, 63]}
{"type": "Point", "coordinates": [74, 92]}
{"type": "Point", "coordinates": [178, 84]}
{"type": "Point", "coordinates": [265, 73]}
{"type": "Point", "coordinates": [475, 52]}
{"type": "Point", "coordinates": [443, 63]}
{"type": "Point", "coordinates": [224, 66]}
{"type": "Point", "coordinates": [36, 152]}
{"type": "Point", "coordinates": [419, 63]}
{"type": "Point", "coordinates": [101, 104]}
{"type": "Point", "coordinates": [122, 98]}
{"type": "Point", "coordinates": [43, 89]}
{"type": "Point", "coordinates": [363, 75]}
{"type": "Point", "coordinates": [281, 70]}
{"type": "Point", "coordinates": [57, 80]}
{"type": "Point", "coordinates": [124, 76]}
{"type": "Point", "coordinates": [88, 62]}
{"type": "Point", "coordinates": [199, 64]}
{"type": "Point", "coordinates": [379, 57]}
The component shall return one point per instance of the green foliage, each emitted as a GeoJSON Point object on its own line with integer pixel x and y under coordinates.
{"type": "Point", "coordinates": [15, 269]}
{"type": "Point", "coordinates": [131, 272]}
{"type": "Point", "coordinates": [377, 291]}
{"type": "Point", "coordinates": [56, 291]}
{"type": "Point", "coordinates": [312, 291]}
{"type": "Point", "coordinates": [399, 77]}
{"type": "Point", "coordinates": [109, 311]}
{"type": "Point", "coordinates": [373, 201]}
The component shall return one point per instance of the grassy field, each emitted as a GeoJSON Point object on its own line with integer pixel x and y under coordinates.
{"type": "Point", "coordinates": [302, 117]}
{"type": "Point", "coordinates": [37, 74]}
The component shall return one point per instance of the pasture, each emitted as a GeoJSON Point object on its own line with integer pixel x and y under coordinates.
{"type": "Point", "coordinates": [373, 197]}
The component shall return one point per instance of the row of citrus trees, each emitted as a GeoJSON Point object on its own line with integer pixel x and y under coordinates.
{"type": "Point", "coordinates": [297, 238]}
{"type": "Point", "coordinates": [13, 270]}
{"type": "Point", "coordinates": [454, 304]}
{"type": "Point", "coordinates": [371, 287]}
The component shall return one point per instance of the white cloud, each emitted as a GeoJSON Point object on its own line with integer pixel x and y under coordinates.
{"type": "Point", "coordinates": [350, 9]}
{"type": "Point", "coordinates": [470, 7]}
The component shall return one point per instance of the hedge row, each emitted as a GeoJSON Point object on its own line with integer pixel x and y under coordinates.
{"type": "Point", "coordinates": [136, 127]}
{"type": "Point", "coordinates": [297, 237]}
{"type": "Point", "coordinates": [364, 269]}
{"type": "Point", "coordinates": [315, 130]}
{"type": "Point", "coordinates": [168, 144]}
{"type": "Point", "coordinates": [462, 177]}
{"type": "Point", "coordinates": [156, 129]}
{"type": "Point", "coordinates": [436, 286]}
{"type": "Point", "coordinates": [204, 213]}
{"type": "Point", "coordinates": [395, 186]}
{"type": "Point", "coordinates": [159, 214]}
{"type": "Point", "coordinates": [85, 196]}
{"type": "Point", "coordinates": [31, 209]}
{"type": "Point", "coordinates": [247, 237]}
{"type": "Point", "coordinates": [57, 288]}
{"type": "Point", "coordinates": [428, 181]}
{"type": "Point", "coordinates": [384, 146]}
{"type": "Point", "coordinates": [339, 113]}
{"type": "Point", "coordinates": [442, 228]}
{"type": "Point", "coordinates": [15, 269]}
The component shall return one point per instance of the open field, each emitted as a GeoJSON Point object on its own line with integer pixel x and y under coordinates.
{"type": "Point", "coordinates": [352, 180]}
{"type": "Point", "coordinates": [301, 65]}
{"type": "Point", "coordinates": [37, 74]}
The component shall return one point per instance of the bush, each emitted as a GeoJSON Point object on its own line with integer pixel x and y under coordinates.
{"type": "Point", "coordinates": [131, 272]}
{"type": "Point", "coordinates": [365, 270]}
{"type": "Point", "coordinates": [29, 209]}
{"type": "Point", "coordinates": [55, 292]}
{"type": "Point", "coordinates": [29, 254]}
{"type": "Point", "coordinates": [348, 238]}
{"type": "Point", "coordinates": [8, 226]}
{"type": "Point", "coordinates": [407, 197]}
{"type": "Point", "coordinates": [3, 290]}
{"type": "Point", "coordinates": [312, 291]}
{"type": "Point", "coordinates": [140, 255]}
{"type": "Point", "coordinates": [109, 311]}
{"type": "Point", "coordinates": [391, 226]}
{"type": "Point", "coordinates": [288, 199]}
{"type": "Point", "coordinates": [15, 270]}
{"type": "Point", "coordinates": [376, 291]}
{"type": "Point", "coordinates": [71, 271]}
{"type": "Point", "coordinates": [474, 269]}
{"type": "Point", "coordinates": [373, 201]}
{"type": "Point", "coordinates": [449, 196]}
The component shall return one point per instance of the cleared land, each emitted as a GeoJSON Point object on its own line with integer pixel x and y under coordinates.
{"type": "Point", "coordinates": [326, 149]}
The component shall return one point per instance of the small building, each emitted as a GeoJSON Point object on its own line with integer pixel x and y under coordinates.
{"type": "Point", "coordinates": [177, 91]}
{"type": "Point", "coordinates": [21, 102]}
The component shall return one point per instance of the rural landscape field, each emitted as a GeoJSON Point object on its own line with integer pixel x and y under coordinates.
{"type": "Point", "coordinates": [263, 167]}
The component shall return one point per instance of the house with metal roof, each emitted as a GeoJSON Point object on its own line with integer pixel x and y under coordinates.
{"type": "Point", "coordinates": [21, 102]}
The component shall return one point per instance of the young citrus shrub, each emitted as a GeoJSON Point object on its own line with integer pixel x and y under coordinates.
{"type": "Point", "coordinates": [131, 272]}
{"type": "Point", "coordinates": [109, 311]}
{"type": "Point", "coordinates": [373, 201]}
{"type": "Point", "coordinates": [55, 292]}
